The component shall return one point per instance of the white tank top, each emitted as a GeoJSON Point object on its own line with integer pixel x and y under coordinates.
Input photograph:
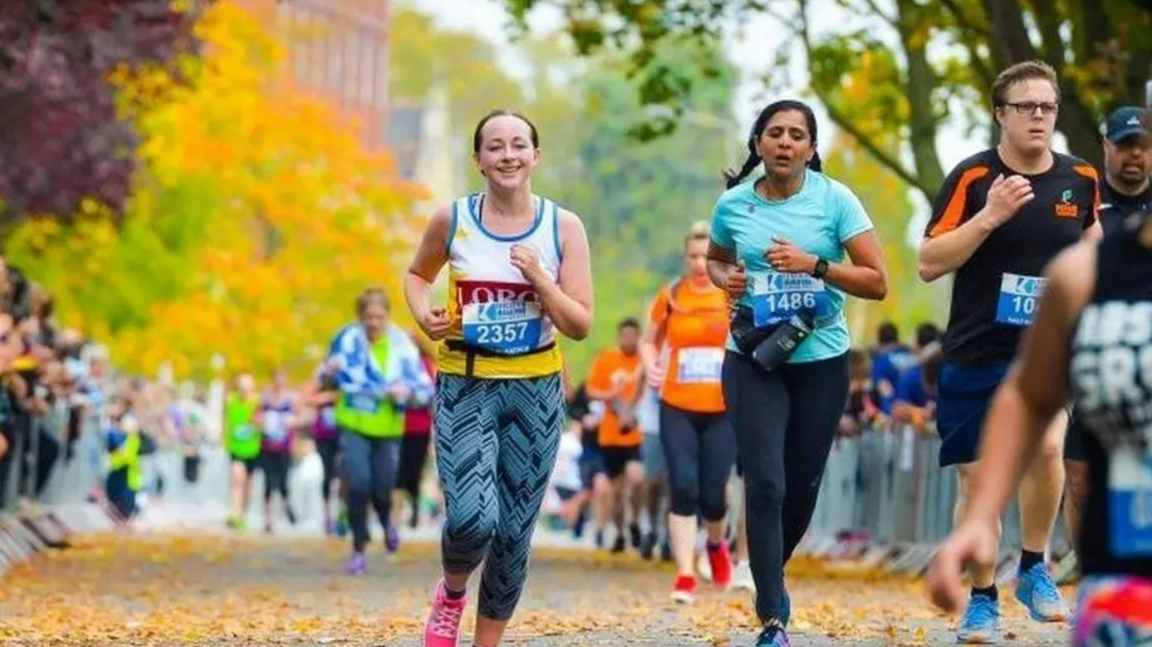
{"type": "Point", "coordinates": [491, 305]}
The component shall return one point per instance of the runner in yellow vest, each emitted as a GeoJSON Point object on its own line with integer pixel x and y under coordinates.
{"type": "Point", "coordinates": [242, 441]}
{"type": "Point", "coordinates": [378, 372]}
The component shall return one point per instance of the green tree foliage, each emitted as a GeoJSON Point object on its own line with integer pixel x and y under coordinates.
{"type": "Point", "coordinates": [902, 68]}
{"type": "Point", "coordinates": [637, 198]}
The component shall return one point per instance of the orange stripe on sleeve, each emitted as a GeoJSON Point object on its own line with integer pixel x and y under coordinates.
{"type": "Point", "coordinates": [1090, 173]}
{"type": "Point", "coordinates": [954, 212]}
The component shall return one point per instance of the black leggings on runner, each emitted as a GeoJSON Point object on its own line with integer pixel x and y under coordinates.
{"type": "Point", "coordinates": [329, 449]}
{"type": "Point", "coordinates": [700, 449]}
{"type": "Point", "coordinates": [275, 466]}
{"type": "Point", "coordinates": [369, 466]}
{"type": "Point", "coordinates": [413, 458]}
{"type": "Point", "coordinates": [785, 422]}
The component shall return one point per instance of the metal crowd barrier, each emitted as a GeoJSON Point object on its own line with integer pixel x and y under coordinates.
{"type": "Point", "coordinates": [885, 499]}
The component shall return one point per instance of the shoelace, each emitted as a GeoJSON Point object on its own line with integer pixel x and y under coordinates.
{"type": "Point", "coordinates": [981, 612]}
{"type": "Point", "coordinates": [446, 622]}
{"type": "Point", "coordinates": [1045, 587]}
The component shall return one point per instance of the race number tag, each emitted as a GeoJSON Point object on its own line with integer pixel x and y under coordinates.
{"type": "Point", "coordinates": [506, 327]}
{"type": "Point", "coordinates": [275, 425]}
{"type": "Point", "coordinates": [699, 365]}
{"type": "Point", "coordinates": [1019, 296]}
{"type": "Point", "coordinates": [243, 432]}
{"type": "Point", "coordinates": [363, 403]}
{"type": "Point", "coordinates": [777, 297]}
{"type": "Point", "coordinates": [1130, 502]}
{"type": "Point", "coordinates": [328, 417]}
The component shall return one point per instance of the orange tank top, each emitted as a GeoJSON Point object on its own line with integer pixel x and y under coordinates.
{"type": "Point", "coordinates": [695, 322]}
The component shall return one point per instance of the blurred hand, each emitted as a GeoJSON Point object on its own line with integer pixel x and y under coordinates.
{"type": "Point", "coordinates": [737, 281]}
{"type": "Point", "coordinates": [525, 259]}
{"type": "Point", "coordinates": [973, 542]}
{"type": "Point", "coordinates": [399, 392]}
{"type": "Point", "coordinates": [1006, 197]}
{"type": "Point", "coordinates": [434, 323]}
{"type": "Point", "coordinates": [787, 257]}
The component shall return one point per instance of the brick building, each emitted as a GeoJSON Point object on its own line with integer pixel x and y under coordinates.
{"type": "Point", "coordinates": [339, 50]}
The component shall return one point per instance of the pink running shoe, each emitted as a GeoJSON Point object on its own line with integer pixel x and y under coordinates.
{"type": "Point", "coordinates": [443, 626]}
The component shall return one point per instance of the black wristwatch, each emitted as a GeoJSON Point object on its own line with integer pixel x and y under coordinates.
{"type": "Point", "coordinates": [821, 268]}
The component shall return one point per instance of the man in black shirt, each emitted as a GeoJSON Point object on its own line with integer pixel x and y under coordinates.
{"type": "Point", "coordinates": [1127, 163]}
{"type": "Point", "coordinates": [1001, 216]}
{"type": "Point", "coordinates": [1126, 190]}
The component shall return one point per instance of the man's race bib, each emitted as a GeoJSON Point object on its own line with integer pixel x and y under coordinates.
{"type": "Point", "coordinates": [506, 327]}
{"type": "Point", "coordinates": [699, 365]}
{"type": "Point", "coordinates": [1019, 296]}
{"type": "Point", "coordinates": [328, 417]}
{"type": "Point", "coordinates": [1130, 502]}
{"type": "Point", "coordinates": [777, 297]}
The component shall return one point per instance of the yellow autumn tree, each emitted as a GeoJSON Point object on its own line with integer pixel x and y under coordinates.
{"type": "Point", "coordinates": [257, 216]}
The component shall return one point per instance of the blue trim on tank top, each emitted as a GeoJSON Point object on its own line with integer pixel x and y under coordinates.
{"type": "Point", "coordinates": [478, 199]}
{"type": "Point", "coordinates": [556, 230]}
{"type": "Point", "coordinates": [451, 229]}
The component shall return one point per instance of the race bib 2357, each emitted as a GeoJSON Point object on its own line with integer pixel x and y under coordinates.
{"type": "Point", "coordinates": [506, 327]}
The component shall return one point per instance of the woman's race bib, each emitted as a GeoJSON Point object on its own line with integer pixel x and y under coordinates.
{"type": "Point", "coordinates": [1130, 502]}
{"type": "Point", "coordinates": [505, 327]}
{"type": "Point", "coordinates": [699, 365]}
{"type": "Point", "coordinates": [275, 425]}
{"type": "Point", "coordinates": [328, 417]}
{"type": "Point", "coordinates": [777, 297]}
{"type": "Point", "coordinates": [1019, 296]}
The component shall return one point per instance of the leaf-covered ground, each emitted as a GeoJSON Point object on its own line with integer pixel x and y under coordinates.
{"type": "Point", "coordinates": [216, 591]}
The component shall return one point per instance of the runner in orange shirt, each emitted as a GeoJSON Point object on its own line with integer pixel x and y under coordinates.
{"type": "Point", "coordinates": [615, 379]}
{"type": "Point", "coordinates": [683, 353]}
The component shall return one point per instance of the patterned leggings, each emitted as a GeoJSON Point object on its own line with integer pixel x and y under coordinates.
{"type": "Point", "coordinates": [496, 446]}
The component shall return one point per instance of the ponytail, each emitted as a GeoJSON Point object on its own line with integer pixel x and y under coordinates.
{"type": "Point", "coordinates": [816, 164]}
{"type": "Point", "coordinates": [732, 178]}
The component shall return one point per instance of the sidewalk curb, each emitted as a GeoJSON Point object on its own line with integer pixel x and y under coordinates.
{"type": "Point", "coordinates": [32, 532]}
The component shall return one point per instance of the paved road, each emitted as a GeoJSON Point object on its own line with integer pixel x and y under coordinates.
{"type": "Point", "coordinates": [211, 589]}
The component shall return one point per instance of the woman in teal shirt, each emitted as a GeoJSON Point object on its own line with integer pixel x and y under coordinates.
{"type": "Point", "coordinates": [778, 245]}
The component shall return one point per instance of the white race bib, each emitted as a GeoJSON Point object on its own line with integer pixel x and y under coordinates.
{"type": "Point", "coordinates": [508, 327]}
{"type": "Point", "coordinates": [1130, 503]}
{"type": "Point", "coordinates": [1019, 296]}
{"type": "Point", "coordinates": [699, 365]}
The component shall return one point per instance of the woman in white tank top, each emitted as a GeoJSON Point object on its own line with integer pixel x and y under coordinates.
{"type": "Point", "coordinates": [519, 271]}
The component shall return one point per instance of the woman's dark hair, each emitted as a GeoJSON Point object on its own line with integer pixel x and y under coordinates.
{"type": "Point", "coordinates": [477, 136]}
{"type": "Point", "coordinates": [736, 177]}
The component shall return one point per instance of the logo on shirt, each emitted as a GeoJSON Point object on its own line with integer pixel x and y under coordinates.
{"type": "Point", "coordinates": [1067, 208]}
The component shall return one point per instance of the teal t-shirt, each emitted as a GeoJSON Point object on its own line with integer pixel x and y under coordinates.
{"type": "Point", "coordinates": [819, 219]}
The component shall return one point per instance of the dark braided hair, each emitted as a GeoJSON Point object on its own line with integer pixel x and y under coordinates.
{"type": "Point", "coordinates": [732, 178]}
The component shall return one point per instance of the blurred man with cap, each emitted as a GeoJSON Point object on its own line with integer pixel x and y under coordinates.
{"type": "Point", "coordinates": [1125, 191]}
{"type": "Point", "coordinates": [1127, 164]}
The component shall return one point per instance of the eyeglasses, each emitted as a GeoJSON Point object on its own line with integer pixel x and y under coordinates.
{"type": "Point", "coordinates": [1028, 108]}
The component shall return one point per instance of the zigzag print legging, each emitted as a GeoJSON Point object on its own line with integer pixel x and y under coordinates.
{"type": "Point", "coordinates": [496, 446]}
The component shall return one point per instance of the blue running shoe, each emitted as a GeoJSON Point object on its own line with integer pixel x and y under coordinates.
{"type": "Point", "coordinates": [981, 622]}
{"type": "Point", "coordinates": [1036, 590]}
{"type": "Point", "coordinates": [772, 636]}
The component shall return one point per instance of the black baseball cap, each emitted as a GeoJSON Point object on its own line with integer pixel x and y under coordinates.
{"type": "Point", "coordinates": [1126, 122]}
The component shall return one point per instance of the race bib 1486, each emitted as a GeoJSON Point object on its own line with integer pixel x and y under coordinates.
{"type": "Point", "coordinates": [777, 297]}
{"type": "Point", "coordinates": [1130, 503]}
{"type": "Point", "coordinates": [506, 327]}
{"type": "Point", "coordinates": [1019, 296]}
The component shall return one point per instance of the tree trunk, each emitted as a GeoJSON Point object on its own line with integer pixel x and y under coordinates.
{"type": "Point", "coordinates": [920, 84]}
